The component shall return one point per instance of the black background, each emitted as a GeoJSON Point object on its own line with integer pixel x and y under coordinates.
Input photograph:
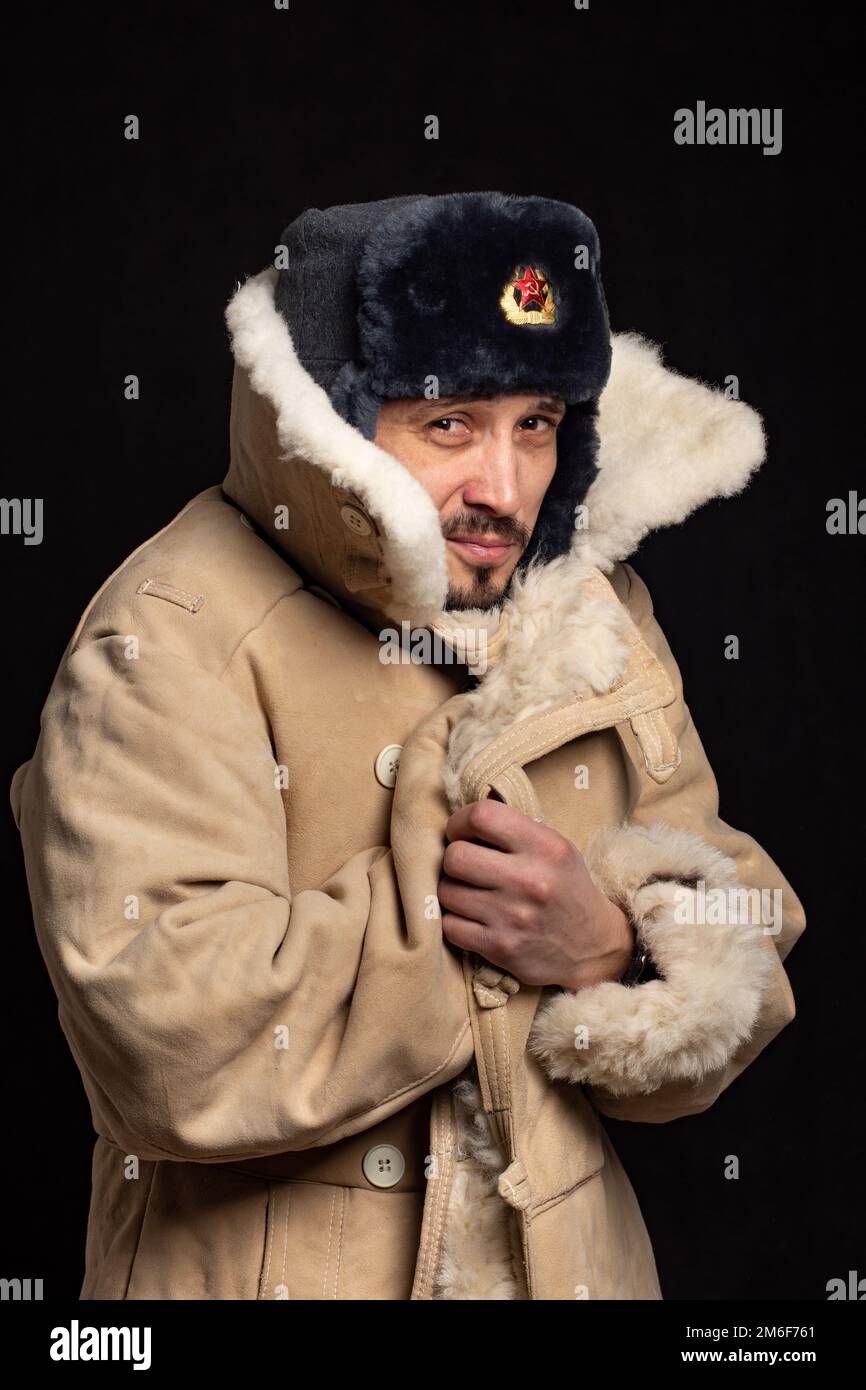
{"type": "Point", "coordinates": [123, 255]}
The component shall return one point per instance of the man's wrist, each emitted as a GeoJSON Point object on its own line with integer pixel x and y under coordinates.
{"type": "Point", "coordinates": [613, 963]}
{"type": "Point", "coordinates": [625, 939]}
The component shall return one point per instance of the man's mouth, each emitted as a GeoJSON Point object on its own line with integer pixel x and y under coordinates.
{"type": "Point", "coordinates": [486, 549]}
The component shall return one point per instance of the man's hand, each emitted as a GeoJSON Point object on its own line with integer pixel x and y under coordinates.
{"type": "Point", "coordinates": [524, 901]}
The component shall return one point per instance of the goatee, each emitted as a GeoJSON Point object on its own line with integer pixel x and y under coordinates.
{"type": "Point", "coordinates": [482, 594]}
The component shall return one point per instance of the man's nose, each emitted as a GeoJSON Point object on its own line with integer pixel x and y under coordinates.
{"type": "Point", "coordinates": [494, 482]}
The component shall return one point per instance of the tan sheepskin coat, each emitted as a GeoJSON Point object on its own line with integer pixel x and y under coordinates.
{"type": "Point", "coordinates": [233, 831]}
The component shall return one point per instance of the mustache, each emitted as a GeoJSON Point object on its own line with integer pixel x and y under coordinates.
{"type": "Point", "coordinates": [468, 523]}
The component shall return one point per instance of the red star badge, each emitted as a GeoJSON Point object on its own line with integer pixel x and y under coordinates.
{"type": "Point", "coordinates": [531, 288]}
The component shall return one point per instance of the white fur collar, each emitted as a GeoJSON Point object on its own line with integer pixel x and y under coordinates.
{"type": "Point", "coordinates": [668, 443]}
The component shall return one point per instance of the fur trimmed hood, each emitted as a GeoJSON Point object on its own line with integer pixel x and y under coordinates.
{"type": "Point", "coordinates": [668, 444]}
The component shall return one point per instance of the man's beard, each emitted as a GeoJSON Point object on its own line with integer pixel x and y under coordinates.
{"type": "Point", "coordinates": [483, 590]}
{"type": "Point", "coordinates": [483, 593]}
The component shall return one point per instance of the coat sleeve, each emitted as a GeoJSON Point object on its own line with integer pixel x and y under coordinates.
{"type": "Point", "coordinates": [213, 1013]}
{"type": "Point", "coordinates": [718, 918]}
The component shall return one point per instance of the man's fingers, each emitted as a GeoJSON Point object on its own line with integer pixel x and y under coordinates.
{"type": "Point", "coordinates": [477, 864]}
{"type": "Point", "coordinates": [474, 936]}
{"type": "Point", "coordinates": [495, 823]}
{"type": "Point", "coordinates": [465, 901]}
{"type": "Point", "coordinates": [462, 931]}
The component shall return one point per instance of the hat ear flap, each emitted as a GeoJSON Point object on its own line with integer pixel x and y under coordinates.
{"type": "Point", "coordinates": [577, 443]}
{"type": "Point", "coordinates": [353, 398]}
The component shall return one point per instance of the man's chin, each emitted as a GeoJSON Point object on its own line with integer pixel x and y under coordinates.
{"type": "Point", "coordinates": [486, 590]}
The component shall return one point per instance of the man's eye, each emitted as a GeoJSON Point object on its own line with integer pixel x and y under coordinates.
{"type": "Point", "coordinates": [538, 420]}
{"type": "Point", "coordinates": [446, 420]}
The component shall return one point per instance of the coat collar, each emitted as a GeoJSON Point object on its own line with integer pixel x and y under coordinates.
{"type": "Point", "coordinates": [359, 525]}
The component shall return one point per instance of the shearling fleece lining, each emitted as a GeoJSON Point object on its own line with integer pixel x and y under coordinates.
{"type": "Point", "coordinates": [561, 641]}
{"type": "Point", "coordinates": [475, 1260]}
{"type": "Point", "coordinates": [669, 443]}
{"type": "Point", "coordinates": [691, 1021]}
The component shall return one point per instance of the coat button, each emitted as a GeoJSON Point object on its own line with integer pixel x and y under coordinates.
{"type": "Point", "coordinates": [355, 520]}
{"type": "Point", "coordinates": [383, 1165]}
{"type": "Point", "coordinates": [387, 764]}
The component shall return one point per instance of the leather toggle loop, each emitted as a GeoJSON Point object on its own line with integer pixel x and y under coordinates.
{"type": "Point", "coordinates": [493, 987]}
{"type": "Point", "coordinates": [514, 1186]}
{"type": "Point", "coordinates": [658, 744]}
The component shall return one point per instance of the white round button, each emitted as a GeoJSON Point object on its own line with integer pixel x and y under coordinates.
{"type": "Point", "coordinates": [383, 1165]}
{"type": "Point", "coordinates": [356, 521]}
{"type": "Point", "coordinates": [387, 764]}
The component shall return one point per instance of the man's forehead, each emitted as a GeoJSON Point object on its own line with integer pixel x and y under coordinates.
{"type": "Point", "coordinates": [422, 405]}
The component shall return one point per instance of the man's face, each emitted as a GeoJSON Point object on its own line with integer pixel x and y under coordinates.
{"type": "Point", "coordinates": [487, 465]}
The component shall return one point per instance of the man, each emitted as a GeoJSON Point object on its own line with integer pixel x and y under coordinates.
{"type": "Point", "coordinates": [373, 852]}
{"type": "Point", "coordinates": [487, 467]}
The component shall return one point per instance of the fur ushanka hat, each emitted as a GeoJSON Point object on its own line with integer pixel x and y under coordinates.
{"type": "Point", "coordinates": [488, 293]}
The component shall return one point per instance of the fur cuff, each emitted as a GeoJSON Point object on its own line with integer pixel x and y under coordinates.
{"type": "Point", "coordinates": [632, 1040]}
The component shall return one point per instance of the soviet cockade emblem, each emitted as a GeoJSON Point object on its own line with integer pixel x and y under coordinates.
{"type": "Point", "coordinates": [527, 297]}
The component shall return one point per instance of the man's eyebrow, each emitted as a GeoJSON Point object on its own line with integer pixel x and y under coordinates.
{"type": "Point", "coordinates": [443, 403]}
